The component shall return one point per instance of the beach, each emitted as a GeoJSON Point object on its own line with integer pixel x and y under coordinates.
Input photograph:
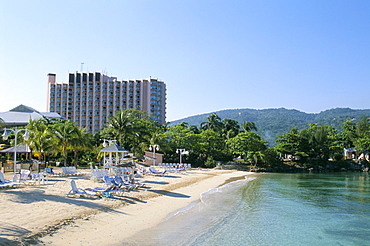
{"type": "Point", "coordinates": [43, 214]}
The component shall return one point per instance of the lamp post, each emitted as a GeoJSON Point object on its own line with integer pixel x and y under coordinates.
{"type": "Point", "coordinates": [154, 147]}
{"type": "Point", "coordinates": [181, 152]}
{"type": "Point", "coordinates": [25, 137]}
{"type": "Point", "coordinates": [109, 141]}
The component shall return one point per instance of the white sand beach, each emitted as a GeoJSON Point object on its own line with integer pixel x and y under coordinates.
{"type": "Point", "coordinates": [42, 213]}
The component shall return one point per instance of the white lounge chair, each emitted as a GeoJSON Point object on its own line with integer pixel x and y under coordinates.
{"type": "Point", "coordinates": [5, 183]}
{"type": "Point", "coordinates": [98, 174]}
{"type": "Point", "coordinates": [38, 177]}
{"type": "Point", "coordinates": [71, 171]}
{"type": "Point", "coordinates": [80, 192]}
{"type": "Point", "coordinates": [156, 172]}
{"type": "Point", "coordinates": [24, 175]}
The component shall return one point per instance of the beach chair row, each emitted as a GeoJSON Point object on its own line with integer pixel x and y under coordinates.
{"type": "Point", "coordinates": [72, 170]}
{"type": "Point", "coordinates": [122, 182]}
{"type": "Point", "coordinates": [178, 165]}
{"type": "Point", "coordinates": [66, 171]}
{"type": "Point", "coordinates": [123, 171]}
{"type": "Point", "coordinates": [98, 174]}
{"type": "Point", "coordinates": [25, 177]}
{"type": "Point", "coordinates": [175, 167]}
{"type": "Point", "coordinates": [115, 185]}
{"type": "Point", "coordinates": [155, 172]}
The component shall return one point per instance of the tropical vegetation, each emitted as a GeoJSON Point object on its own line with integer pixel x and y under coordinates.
{"type": "Point", "coordinates": [215, 140]}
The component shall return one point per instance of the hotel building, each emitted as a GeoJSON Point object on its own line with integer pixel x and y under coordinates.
{"type": "Point", "coordinates": [90, 98]}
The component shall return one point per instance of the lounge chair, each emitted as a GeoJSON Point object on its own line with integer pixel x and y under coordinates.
{"type": "Point", "coordinates": [128, 179]}
{"type": "Point", "coordinates": [5, 183]}
{"type": "Point", "coordinates": [80, 192]}
{"type": "Point", "coordinates": [107, 192]}
{"type": "Point", "coordinates": [121, 181]}
{"type": "Point", "coordinates": [156, 172]}
{"type": "Point", "coordinates": [71, 171]}
{"type": "Point", "coordinates": [38, 177]}
{"type": "Point", "coordinates": [51, 172]}
{"type": "Point", "coordinates": [24, 177]}
{"type": "Point", "coordinates": [98, 174]}
{"type": "Point", "coordinates": [119, 188]}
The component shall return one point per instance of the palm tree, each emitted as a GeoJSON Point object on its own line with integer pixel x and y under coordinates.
{"type": "Point", "coordinates": [82, 141]}
{"type": "Point", "coordinates": [39, 138]}
{"type": "Point", "coordinates": [248, 126]}
{"type": "Point", "coordinates": [64, 133]}
{"type": "Point", "coordinates": [230, 128]}
{"type": "Point", "coordinates": [213, 122]}
{"type": "Point", "coordinates": [256, 156]}
{"type": "Point", "coordinates": [122, 125]}
{"type": "Point", "coordinates": [2, 123]}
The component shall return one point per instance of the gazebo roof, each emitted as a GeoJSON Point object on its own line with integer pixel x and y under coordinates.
{"type": "Point", "coordinates": [21, 148]}
{"type": "Point", "coordinates": [113, 148]}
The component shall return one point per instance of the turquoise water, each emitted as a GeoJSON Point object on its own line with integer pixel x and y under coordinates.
{"type": "Point", "coordinates": [272, 209]}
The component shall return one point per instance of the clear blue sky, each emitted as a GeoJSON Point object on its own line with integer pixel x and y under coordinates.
{"type": "Point", "coordinates": [309, 55]}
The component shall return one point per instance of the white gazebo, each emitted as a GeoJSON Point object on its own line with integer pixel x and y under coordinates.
{"type": "Point", "coordinates": [116, 155]}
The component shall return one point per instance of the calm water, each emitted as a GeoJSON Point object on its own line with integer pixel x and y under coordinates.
{"type": "Point", "coordinates": [273, 209]}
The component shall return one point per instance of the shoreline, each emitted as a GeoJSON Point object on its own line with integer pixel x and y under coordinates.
{"type": "Point", "coordinates": [57, 220]}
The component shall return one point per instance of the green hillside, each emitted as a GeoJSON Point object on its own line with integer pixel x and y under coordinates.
{"type": "Point", "coordinates": [272, 123]}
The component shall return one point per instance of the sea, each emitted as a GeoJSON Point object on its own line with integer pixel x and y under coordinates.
{"type": "Point", "coordinates": [272, 209]}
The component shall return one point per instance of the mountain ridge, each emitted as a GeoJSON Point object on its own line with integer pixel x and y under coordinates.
{"type": "Point", "coordinates": [273, 122]}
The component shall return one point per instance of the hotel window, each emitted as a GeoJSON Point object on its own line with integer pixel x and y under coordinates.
{"type": "Point", "coordinates": [71, 77]}
{"type": "Point", "coordinates": [97, 76]}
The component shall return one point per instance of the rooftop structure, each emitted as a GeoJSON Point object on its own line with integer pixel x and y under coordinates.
{"type": "Point", "coordinates": [21, 115]}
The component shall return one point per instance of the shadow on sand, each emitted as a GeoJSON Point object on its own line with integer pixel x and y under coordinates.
{"type": "Point", "coordinates": [169, 193]}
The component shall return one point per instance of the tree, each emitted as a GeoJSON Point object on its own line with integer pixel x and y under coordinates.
{"type": "Point", "coordinates": [212, 144]}
{"type": "Point", "coordinates": [183, 137]}
{"type": "Point", "coordinates": [40, 138]}
{"type": "Point", "coordinates": [132, 128]}
{"type": "Point", "coordinates": [291, 144]}
{"type": "Point", "coordinates": [230, 128]}
{"type": "Point", "coordinates": [348, 135]}
{"type": "Point", "coordinates": [213, 123]}
{"type": "Point", "coordinates": [64, 133]}
{"type": "Point", "coordinates": [2, 123]}
{"type": "Point", "coordinates": [362, 126]}
{"type": "Point", "coordinates": [362, 143]}
{"type": "Point", "coordinates": [249, 145]}
{"type": "Point", "coordinates": [82, 141]}
{"type": "Point", "coordinates": [121, 125]}
{"type": "Point", "coordinates": [322, 141]}
{"type": "Point", "coordinates": [248, 126]}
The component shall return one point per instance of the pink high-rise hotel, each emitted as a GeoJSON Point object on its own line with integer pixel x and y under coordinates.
{"type": "Point", "coordinates": [90, 98]}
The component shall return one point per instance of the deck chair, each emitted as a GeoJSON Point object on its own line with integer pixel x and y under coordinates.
{"type": "Point", "coordinates": [156, 172]}
{"type": "Point", "coordinates": [129, 179]}
{"type": "Point", "coordinates": [24, 175]}
{"type": "Point", "coordinates": [111, 182]}
{"type": "Point", "coordinates": [81, 192]}
{"type": "Point", "coordinates": [73, 171]}
{"type": "Point", "coordinates": [51, 172]}
{"type": "Point", "coordinates": [98, 174]}
{"type": "Point", "coordinates": [38, 177]}
{"type": "Point", "coordinates": [119, 180]}
{"type": "Point", "coordinates": [5, 183]}
{"type": "Point", "coordinates": [107, 192]}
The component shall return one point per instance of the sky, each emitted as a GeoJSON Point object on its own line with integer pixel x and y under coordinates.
{"type": "Point", "coordinates": [309, 55]}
